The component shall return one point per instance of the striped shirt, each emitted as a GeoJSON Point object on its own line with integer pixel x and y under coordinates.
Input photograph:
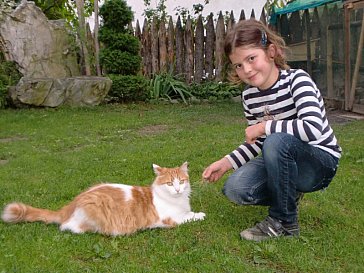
{"type": "Point", "coordinates": [293, 105]}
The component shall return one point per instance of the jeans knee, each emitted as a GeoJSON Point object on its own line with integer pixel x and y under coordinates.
{"type": "Point", "coordinates": [276, 144]}
{"type": "Point", "coordinates": [234, 195]}
{"type": "Point", "coordinates": [239, 195]}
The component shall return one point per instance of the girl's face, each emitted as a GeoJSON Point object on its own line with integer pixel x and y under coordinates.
{"type": "Point", "coordinates": [254, 66]}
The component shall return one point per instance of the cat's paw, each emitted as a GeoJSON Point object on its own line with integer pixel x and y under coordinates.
{"type": "Point", "coordinates": [199, 216]}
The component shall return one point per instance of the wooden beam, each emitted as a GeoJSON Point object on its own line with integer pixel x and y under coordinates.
{"type": "Point", "coordinates": [357, 66]}
{"type": "Point", "coordinates": [347, 55]}
{"type": "Point", "coordinates": [329, 70]}
{"type": "Point", "coordinates": [308, 39]}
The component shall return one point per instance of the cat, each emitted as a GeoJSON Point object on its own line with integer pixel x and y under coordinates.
{"type": "Point", "coordinates": [118, 209]}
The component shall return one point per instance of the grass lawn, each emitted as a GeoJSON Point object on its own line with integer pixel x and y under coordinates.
{"type": "Point", "coordinates": [48, 156]}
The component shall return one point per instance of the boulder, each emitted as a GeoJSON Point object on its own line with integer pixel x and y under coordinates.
{"type": "Point", "coordinates": [54, 92]}
{"type": "Point", "coordinates": [40, 47]}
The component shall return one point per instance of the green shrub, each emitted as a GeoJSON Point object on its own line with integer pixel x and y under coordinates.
{"type": "Point", "coordinates": [120, 54]}
{"type": "Point", "coordinates": [216, 90]}
{"type": "Point", "coordinates": [119, 62]}
{"type": "Point", "coordinates": [3, 94]}
{"type": "Point", "coordinates": [127, 88]}
{"type": "Point", "coordinates": [121, 41]}
{"type": "Point", "coordinates": [9, 76]}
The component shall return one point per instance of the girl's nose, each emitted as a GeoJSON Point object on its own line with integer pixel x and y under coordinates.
{"type": "Point", "coordinates": [247, 68]}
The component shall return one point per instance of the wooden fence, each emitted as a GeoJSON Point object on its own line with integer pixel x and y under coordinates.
{"type": "Point", "coordinates": [194, 51]}
{"type": "Point", "coordinates": [316, 40]}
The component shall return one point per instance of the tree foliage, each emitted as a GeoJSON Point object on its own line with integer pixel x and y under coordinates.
{"type": "Point", "coordinates": [120, 54]}
{"type": "Point", "coordinates": [160, 11]}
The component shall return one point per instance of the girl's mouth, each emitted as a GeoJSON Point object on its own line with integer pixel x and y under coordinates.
{"type": "Point", "coordinates": [251, 78]}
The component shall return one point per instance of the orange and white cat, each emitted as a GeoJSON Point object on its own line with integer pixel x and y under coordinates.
{"type": "Point", "coordinates": [118, 209]}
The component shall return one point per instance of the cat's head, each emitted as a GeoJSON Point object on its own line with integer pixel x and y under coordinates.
{"type": "Point", "coordinates": [175, 181]}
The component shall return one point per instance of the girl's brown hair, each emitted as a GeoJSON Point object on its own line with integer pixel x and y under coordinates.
{"type": "Point", "coordinates": [254, 33]}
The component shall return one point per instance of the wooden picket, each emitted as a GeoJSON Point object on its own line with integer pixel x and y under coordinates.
{"type": "Point", "coordinates": [191, 52]}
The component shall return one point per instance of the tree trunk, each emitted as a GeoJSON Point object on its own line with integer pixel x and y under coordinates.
{"type": "Point", "coordinates": [96, 38]}
{"type": "Point", "coordinates": [82, 35]}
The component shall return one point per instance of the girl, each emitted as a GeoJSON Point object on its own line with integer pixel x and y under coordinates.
{"type": "Point", "coordinates": [287, 125]}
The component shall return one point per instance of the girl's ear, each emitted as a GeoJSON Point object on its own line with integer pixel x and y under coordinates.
{"type": "Point", "coordinates": [272, 51]}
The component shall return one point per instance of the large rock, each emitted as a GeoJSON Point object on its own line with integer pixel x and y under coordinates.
{"type": "Point", "coordinates": [41, 48]}
{"type": "Point", "coordinates": [76, 91]}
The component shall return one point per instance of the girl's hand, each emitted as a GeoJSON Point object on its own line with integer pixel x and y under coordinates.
{"type": "Point", "coordinates": [216, 170]}
{"type": "Point", "coordinates": [254, 131]}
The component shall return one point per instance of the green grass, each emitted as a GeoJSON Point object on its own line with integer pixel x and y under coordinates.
{"type": "Point", "coordinates": [48, 156]}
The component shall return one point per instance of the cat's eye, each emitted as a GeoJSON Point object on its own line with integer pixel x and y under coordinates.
{"type": "Point", "coordinates": [182, 181]}
{"type": "Point", "coordinates": [170, 184]}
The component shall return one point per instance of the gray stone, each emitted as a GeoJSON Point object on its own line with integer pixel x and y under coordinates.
{"type": "Point", "coordinates": [44, 52]}
{"type": "Point", "coordinates": [50, 92]}
{"type": "Point", "coordinates": [41, 48]}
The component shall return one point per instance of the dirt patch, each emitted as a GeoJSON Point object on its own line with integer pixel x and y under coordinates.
{"type": "Point", "coordinates": [10, 139]}
{"type": "Point", "coordinates": [152, 129]}
{"type": "Point", "coordinates": [3, 161]}
{"type": "Point", "coordinates": [342, 117]}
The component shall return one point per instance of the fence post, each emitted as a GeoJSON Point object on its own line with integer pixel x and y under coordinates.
{"type": "Point", "coordinates": [147, 56]}
{"type": "Point", "coordinates": [170, 39]}
{"type": "Point", "coordinates": [219, 53]}
{"type": "Point", "coordinates": [162, 47]}
{"type": "Point", "coordinates": [199, 50]}
{"type": "Point", "coordinates": [189, 50]}
{"type": "Point", "coordinates": [324, 45]}
{"type": "Point", "coordinates": [308, 40]}
{"type": "Point", "coordinates": [210, 47]}
{"type": "Point", "coordinates": [231, 22]}
{"type": "Point", "coordinates": [179, 48]}
{"type": "Point", "coordinates": [263, 17]}
{"type": "Point", "coordinates": [154, 47]}
{"type": "Point", "coordinates": [242, 15]}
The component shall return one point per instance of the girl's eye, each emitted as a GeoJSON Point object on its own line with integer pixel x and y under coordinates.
{"type": "Point", "coordinates": [237, 66]}
{"type": "Point", "coordinates": [170, 184]}
{"type": "Point", "coordinates": [251, 59]}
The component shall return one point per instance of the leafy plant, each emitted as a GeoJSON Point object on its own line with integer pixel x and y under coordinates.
{"type": "Point", "coordinates": [216, 90]}
{"type": "Point", "coordinates": [9, 75]}
{"type": "Point", "coordinates": [166, 86]}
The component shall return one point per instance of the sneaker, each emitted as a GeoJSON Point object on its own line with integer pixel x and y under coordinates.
{"type": "Point", "coordinates": [270, 228]}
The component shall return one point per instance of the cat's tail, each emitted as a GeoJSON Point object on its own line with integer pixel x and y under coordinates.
{"type": "Point", "coordinates": [19, 212]}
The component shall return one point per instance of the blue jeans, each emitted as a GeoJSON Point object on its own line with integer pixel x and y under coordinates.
{"type": "Point", "coordinates": [287, 166]}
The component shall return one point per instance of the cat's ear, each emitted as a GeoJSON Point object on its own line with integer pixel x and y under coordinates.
{"type": "Point", "coordinates": [184, 167]}
{"type": "Point", "coordinates": [157, 169]}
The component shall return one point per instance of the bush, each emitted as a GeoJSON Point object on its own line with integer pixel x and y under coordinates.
{"type": "Point", "coordinates": [9, 76]}
{"type": "Point", "coordinates": [128, 88]}
{"type": "Point", "coordinates": [120, 62]}
{"type": "Point", "coordinates": [120, 54]}
{"type": "Point", "coordinates": [121, 41]}
{"type": "Point", "coordinates": [216, 90]}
